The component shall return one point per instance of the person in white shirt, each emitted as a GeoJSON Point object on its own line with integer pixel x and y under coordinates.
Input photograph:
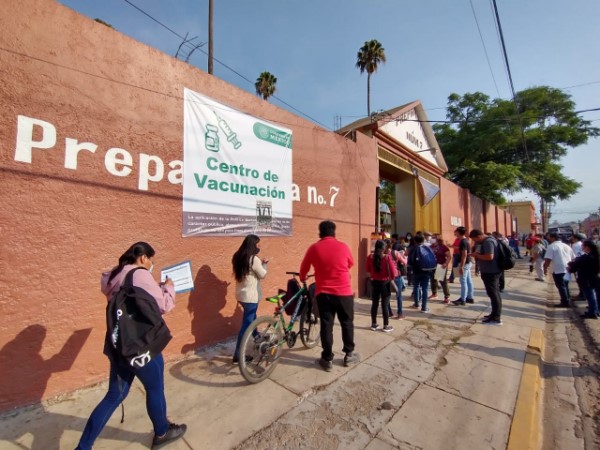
{"type": "Point", "coordinates": [559, 254]}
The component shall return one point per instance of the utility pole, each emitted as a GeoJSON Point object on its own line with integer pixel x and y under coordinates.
{"type": "Point", "coordinates": [210, 36]}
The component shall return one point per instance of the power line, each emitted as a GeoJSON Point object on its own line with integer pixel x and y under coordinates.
{"type": "Point", "coordinates": [484, 47]}
{"type": "Point", "coordinates": [226, 66]}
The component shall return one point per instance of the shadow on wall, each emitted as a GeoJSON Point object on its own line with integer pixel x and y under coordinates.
{"type": "Point", "coordinates": [205, 305]}
{"type": "Point", "coordinates": [25, 373]}
{"type": "Point", "coordinates": [23, 379]}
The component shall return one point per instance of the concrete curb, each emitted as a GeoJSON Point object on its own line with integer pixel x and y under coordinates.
{"type": "Point", "coordinates": [525, 426]}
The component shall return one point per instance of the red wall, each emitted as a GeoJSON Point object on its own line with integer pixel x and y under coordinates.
{"type": "Point", "coordinates": [61, 227]}
{"type": "Point", "coordinates": [476, 213]}
{"type": "Point", "coordinates": [453, 208]}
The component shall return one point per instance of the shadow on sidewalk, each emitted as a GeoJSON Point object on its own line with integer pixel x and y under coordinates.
{"type": "Point", "coordinates": [498, 352]}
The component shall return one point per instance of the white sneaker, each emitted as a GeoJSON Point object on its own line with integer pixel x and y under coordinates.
{"type": "Point", "coordinates": [388, 329]}
{"type": "Point", "coordinates": [374, 327]}
{"type": "Point", "coordinates": [425, 311]}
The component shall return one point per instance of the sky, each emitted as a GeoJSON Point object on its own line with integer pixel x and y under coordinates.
{"type": "Point", "coordinates": [433, 49]}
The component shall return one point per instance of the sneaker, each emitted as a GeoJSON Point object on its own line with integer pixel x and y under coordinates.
{"type": "Point", "coordinates": [388, 329]}
{"type": "Point", "coordinates": [446, 301]}
{"type": "Point", "coordinates": [173, 433]}
{"type": "Point", "coordinates": [351, 358]}
{"type": "Point", "coordinates": [374, 327]}
{"type": "Point", "coordinates": [326, 365]}
{"type": "Point", "coordinates": [425, 311]}
{"type": "Point", "coordinates": [470, 300]}
{"type": "Point", "coordinates": [491, 321]}
{"type": "Point", "coordinates": [414, 305]}
{"type": "Point", "coordinates": [540, 279]}
{"type": "Point", "coordinates": [589, 315]}
{"type": "Point", "coordinates": [458, 302]}
{"type": "Point", "coordinates": [562, 305]}
{"type": "Point", "coordinates": [433, 297]}
{"type": "Point", "coordinates": [400, 317]}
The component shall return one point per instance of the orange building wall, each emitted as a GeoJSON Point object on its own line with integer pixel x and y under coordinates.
{"type": "Point", "coordinates": [476, 213]}
{"type": "Point", "coordinates": [62, 227]}
{"type": "Point", "coordinates": [453, 208]}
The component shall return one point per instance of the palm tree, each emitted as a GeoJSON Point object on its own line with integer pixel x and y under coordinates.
{"type": "Point", "coordinates": [265, 85]}
{"type": "Point", "coordinates": [369, 56]}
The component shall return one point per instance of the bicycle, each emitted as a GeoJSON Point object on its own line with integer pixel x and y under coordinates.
{"type": "Point", "coordinates": [262, 343]}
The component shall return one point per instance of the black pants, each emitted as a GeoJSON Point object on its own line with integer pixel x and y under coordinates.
{"type": "Point", "coordinates": [380, 290]}
{"type": "Point", "coordinates": [501, 281]}
{"type": "Point", "coordinates": [329, 306]}
{"type": "Point", "coordinates": [491, 281]}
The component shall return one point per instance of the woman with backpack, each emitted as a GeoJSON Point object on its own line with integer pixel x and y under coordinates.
{"type": "Point", "coordinates": [587, 267]}
{"type": "Point", "coordinates": [138, 257]}
{"type": "Point", "coordinates": [382, 270]}
{"type": "Point", "coordinates": [248, 270]}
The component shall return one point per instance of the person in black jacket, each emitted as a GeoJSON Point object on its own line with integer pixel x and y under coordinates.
{"type": "Point", "coordinates": [587, 267]}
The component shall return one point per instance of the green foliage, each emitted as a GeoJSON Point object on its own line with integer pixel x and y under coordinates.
{"type": "Point", "coordinates": [484, 142]}
{"type": "Point", "coordinates": [387, 193]}
{"type": "Point", "coordinates": [266, 85]}
{"type": "Point", "coordinates": [369, 56]}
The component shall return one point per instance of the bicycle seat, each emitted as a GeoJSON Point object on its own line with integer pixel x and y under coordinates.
{"type": "Point", "coordinates": [274, 299]}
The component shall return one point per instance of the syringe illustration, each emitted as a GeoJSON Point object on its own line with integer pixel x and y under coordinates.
{"type": "Point", "coordinates": [231, 136]}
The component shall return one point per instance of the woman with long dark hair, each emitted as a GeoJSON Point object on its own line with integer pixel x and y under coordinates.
{"type": "Point", "coordinates": [587, 267]}
{"type": "Point", "coordinates": [248, 270]}
{"type": "Point", "coordinates": [383, 271]}
{"type": "Point", "coordinates": [151, 375]}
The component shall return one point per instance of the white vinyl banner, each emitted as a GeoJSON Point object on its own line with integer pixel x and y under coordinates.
{"type": "Point", "coordinates": [237, 172]}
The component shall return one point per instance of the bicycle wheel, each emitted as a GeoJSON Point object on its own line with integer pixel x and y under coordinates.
{"type": "Point", "coordinates": [260, 349]}
{"type": "Point", "coordinates": [310, 328]}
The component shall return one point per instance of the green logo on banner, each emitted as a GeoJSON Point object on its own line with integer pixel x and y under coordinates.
{"type": "Point", "coordinates": [272, 135]}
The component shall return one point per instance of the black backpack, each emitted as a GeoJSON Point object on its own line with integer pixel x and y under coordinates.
{"type": "Point", "coordinates": [135, 328]}
{"type": "Point", "coordinates": [506, 256]}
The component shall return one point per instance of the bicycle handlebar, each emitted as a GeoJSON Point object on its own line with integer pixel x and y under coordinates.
{"type": "Point", "coordinates": [297, 274]}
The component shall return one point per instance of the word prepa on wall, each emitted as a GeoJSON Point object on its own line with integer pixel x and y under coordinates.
{"type": "Point", "coordinates": [237, 172]}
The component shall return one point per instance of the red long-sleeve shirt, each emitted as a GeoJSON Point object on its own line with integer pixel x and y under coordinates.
{"type": "Point", "coordinates": [388, 268]}
{"type": "Point", "coordinates": [332, 261]}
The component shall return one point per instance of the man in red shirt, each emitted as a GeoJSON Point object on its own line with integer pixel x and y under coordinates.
{"type": "Point", "coordinates": [332, 260]}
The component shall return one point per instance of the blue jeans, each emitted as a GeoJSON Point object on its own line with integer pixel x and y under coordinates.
{"type": "Point", "coordinates": [455, 262]}
{"type": "Point", "coordinates": [247, 319]}
{"type": "Point", "coordinates": [400, 283]}
{"type": "Point", "coordinates": [563, 288]}
{"type": "Point", "coordinates": [121, 377]}
{"type": "Point", "coordinates": [421, 281]}
{"type": "Point", "coordinates": [590, 295]}
{"type": "Point", "coordinates": [466, 283]}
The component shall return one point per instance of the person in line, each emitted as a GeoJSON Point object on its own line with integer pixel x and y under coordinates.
{"type": "Point", "coordinates": [537, 257]}
{"type": "Point", "coordinates": [488, 255]}
{"type": "Point", "coordinates": [528, 244]}
{"type": "Point", "coordinates": [399, 257]}
{"type": "Point", "coordinates": [513, 243]}
{"type": "Point", "coordinates": [332, 261]}
{"type": "Point", "coordinates": [248, 270]}
{"type": "Point", "coordinates": [421, 277]}
{"type": "Point", "coordinates": [464, 268]}
{"type": "Point", "coordinates": [455, 257]}
{"type": "Point", "coordinates": [587, 267]}
{"type": "Point", "coordinates": [383, 272]}
{"type": "Point", "coordinates": [498, 236]}
{"type": "Point", "coordinates": [151, 375]}
{"type": "Point", "coordinates": [409, 245]}
{"type": "Point", "coordinates": [443, 258]}
{"type": "Point", "coordinates": [577, 246]}
{"type": "Point", "coordinates": [559, 254]}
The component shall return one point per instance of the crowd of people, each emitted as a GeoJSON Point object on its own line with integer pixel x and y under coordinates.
{"type": "Point", "coordinates": [423, 261]}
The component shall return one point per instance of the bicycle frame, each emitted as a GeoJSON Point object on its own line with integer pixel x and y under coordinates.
{"type": "Point", "coordinates": [301, 295]}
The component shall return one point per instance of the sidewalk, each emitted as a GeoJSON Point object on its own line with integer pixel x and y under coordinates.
{"type": "Point", "coordinates": [438, 381]}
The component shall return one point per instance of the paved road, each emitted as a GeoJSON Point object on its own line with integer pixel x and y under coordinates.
{"type": "Point", "coordinates": [451, 382]}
